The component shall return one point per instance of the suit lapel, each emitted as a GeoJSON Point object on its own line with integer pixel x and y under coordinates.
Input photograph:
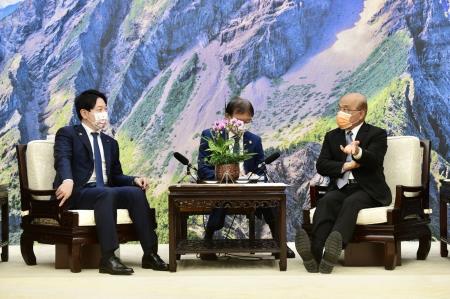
{"type": "Point", "coordinates": [248, 145]}
{"type": "Point", "coordinates": [106, 151]}
{"type": "Point", "coordinates": [343, 142]}
{"type": "Point", "coordinates": [362, 133]}
{"type": "Point", "coordinates": [247, 142]}
{"type": "Point", "coordinates": [81, 133]}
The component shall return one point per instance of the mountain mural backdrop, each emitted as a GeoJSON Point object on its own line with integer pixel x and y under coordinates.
{"type": "Point", "coordinates": [169, 66]}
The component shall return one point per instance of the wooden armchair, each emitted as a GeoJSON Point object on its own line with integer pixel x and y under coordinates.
{"type": "Point", "coordinates": [72, 231]}
{"type": "Point", "coordinates": [379, 231]}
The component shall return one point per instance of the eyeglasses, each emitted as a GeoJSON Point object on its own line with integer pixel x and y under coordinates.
{"type": "Point", "coordinates": [346, 110]}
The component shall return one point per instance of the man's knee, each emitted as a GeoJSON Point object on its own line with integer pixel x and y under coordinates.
{"type": "Point", "coordinates": [352, 203]}
{"type": "Point", "coordinates": [326, 201]}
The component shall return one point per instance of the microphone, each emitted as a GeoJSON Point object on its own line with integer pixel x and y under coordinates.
{"type": "Point", "coordinates": [266, 161]}
{"type": "Point", "coordinates": [183, 160]}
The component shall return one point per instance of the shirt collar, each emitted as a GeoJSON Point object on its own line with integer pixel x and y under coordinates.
{"type": "Point", "coordinates": [355, 130]}
{"type": "Point", "coordinates": [88, 130]}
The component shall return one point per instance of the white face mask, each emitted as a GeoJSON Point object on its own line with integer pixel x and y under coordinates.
{"type": "Point", "coordinates": [101, 120]}
{"type": "Point", "coordinates": [247, 127]}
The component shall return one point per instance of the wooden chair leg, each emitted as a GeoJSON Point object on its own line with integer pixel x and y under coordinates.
{"type": "Point", "coordinates": [444, 250]}
{"type": "Point", "coordinates": [398, 250]}
{"type": "Point", "coordinates": [5, 253]}
{"type": "Point", "coordinates": [75, 258]}
{"type": "Point", "coordinates": [424, 244]}
{"type": "Point", "coordinates": [390, 255]}
{"type": "Point", "coordinates": [26, 248]}
{"type": "Point", "coordinates": [5, 232]}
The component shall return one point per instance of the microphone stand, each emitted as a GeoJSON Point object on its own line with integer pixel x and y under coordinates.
{"type": "Point", "coordinates": [188, 173]}
{"type": "Point", "coordinates": [269, 178]}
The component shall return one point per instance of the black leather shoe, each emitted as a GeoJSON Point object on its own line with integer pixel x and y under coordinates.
{"type": "Point", "coordinates": [303, 246]}
{"type": "Point", "coordinates": [208, 257]}
{"type": "Point", "coordinates": [153, 261]}
{"type": "Point", "coordinates": [290, 254]}
{"type": "Point", "coordinates": [114, 266]}
{"type": "Point", "coordinates": [333, 249]}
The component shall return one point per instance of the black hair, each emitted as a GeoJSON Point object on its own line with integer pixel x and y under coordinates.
{"type": "Point", "coordinates": [239, 105]}
{"type": "Point", "coordinates": [87, 100]}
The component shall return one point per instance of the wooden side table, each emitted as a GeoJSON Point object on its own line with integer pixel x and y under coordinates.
{"type": "Point", "coordinates": [5, 222]}
{"type": "Point", "coordinates": [444, 200]}
{"type": "Point", "coordinates": [198, 197]}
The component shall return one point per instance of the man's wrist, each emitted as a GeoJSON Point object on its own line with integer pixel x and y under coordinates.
{"type": "Point", "coordinates": [359, 154]}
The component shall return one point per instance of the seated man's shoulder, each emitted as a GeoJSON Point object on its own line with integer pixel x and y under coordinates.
{"type": "Point", "coordinates": [376, 130]}
{"type": "Point", "coordinates": [334, 131]}
{"type": "Point", "coordinates": [206, 133]}
{"type": "Point", "coordinates": [67, 130]}
{"type": "Point", "coordinates": [252, 136]}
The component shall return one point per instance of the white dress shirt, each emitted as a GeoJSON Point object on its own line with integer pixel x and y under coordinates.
{"type": "Point", "coordinates": [102, 154]}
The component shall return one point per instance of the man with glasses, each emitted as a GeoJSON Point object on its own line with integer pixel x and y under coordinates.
{"type": "Point", "coordinates": [352, 156]}
{"type": "Point", "coordinates": [240, 109]}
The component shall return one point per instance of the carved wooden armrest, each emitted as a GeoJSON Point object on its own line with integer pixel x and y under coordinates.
{"type": "Point", "coordinates": [415, 203]}
{"type": "Point", "coordinates": [315, 193]}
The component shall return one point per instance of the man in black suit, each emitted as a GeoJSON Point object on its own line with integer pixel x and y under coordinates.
{"type": "Point", "coordinates": [89, 176]}
{"type": "Point", "coordinates": [352, 156]}
{"type": "Point", "coordinates": [241, 109]}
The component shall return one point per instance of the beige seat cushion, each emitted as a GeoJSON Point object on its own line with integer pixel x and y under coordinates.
{"type": "Point", "coordinates": [86, 217]}
{"type": "Point", "coordinates": [366, 216]}
{"type": "Point", "coordinates": [41, 173]}
{"type": "Point", "coordinates": [402, 166]}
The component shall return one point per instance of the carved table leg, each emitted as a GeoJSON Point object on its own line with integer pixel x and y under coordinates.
{"type": "Point", "coordinates": [172, 236]}
{"type": "Point", "coordinates": [443, 227]}
{"type": "Point", "coordinates": [282, 231]}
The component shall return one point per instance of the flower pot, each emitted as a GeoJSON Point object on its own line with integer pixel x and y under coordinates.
{"type": "Point", "coordinates": [227, 173]}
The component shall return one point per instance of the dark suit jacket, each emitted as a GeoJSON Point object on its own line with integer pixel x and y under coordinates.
{"type": "Point", "coordinates": [74, 158]}
{"type": "Point", "coordinates": [370, 176]}
{"type": "Point", "coordinates": [252, 144]}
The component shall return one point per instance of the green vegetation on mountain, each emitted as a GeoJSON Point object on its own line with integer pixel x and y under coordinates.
{"type": "Point", "coordinates": [381, 78]}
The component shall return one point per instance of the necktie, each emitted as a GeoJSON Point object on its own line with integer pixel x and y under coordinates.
{"type": "Point", "coordinates": [236, 146]}
{"type": "Point", "coordinates": [341, 182]}
{"type": "Point", "coordinates": [97, 162]}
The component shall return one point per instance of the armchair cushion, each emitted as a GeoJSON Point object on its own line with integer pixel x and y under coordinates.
{"type": "Point", "coordinates": [86, 217]}
{"type": "Point", "coordinates": [403, 163]}
{"type": "Point", "coordinates": [40, 169]}
{"type": "Point", "coordinates": [366, 216]}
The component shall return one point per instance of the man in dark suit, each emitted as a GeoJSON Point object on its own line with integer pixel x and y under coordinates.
{"type": "Point", "coordinates": [89, 176]}
{"type": "Point", "coordinates": [352, 156]}
{"type": "Point", "coordinates": [240, 109]}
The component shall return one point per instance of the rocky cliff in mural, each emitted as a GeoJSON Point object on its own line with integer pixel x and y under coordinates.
{"type": "Point", "coordinates": [169, 66]}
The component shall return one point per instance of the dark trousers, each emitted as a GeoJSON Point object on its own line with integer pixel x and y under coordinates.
{"type": "Point", "coordinates": [105, 201]}
{"type": "Point", "coordinates": [338, 210]}
{"type": "Point", "coordinates": [216, 220]}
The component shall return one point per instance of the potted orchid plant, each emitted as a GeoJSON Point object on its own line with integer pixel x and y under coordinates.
{"type": "Point", "coordinates": [220, 146]}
